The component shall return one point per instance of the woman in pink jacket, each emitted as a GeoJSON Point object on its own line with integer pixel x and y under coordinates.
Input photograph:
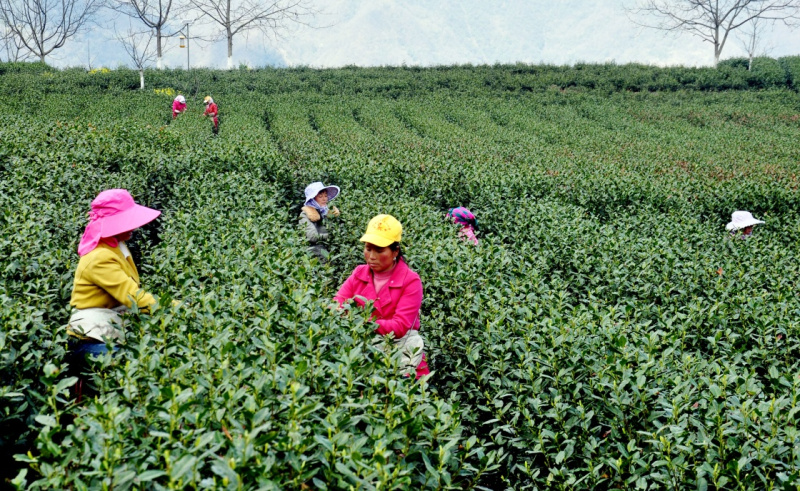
{"type": "Point", "coordinates": [395, 289]}
{"type": "Point", "coordinates": [178, 106]}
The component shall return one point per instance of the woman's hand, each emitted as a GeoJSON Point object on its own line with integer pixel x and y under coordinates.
{"type": "Point", "coordinates": [335, 211]}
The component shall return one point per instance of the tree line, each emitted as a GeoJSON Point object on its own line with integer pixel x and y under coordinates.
{"type": "Point", "coordinates": [35, 28]}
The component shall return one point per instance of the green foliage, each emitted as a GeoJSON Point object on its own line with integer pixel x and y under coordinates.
{"type": "Point", "coordinates": [791, 64]}
{"type": "Point", "coordinates": [32, 68]}
{"type": "Point", "coordinates": [764, 73]}
{"type": "Point", "coordinates": [606, 334]}
{"type": "Point", "coordinates": [737, 63]}
{"type": "Point", "coordinates": [769, 72]}
{"type": "Point", "coordinates": [408, 82]}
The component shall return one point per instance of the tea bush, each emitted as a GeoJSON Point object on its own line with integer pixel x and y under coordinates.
{"type": "Point", "coordinates": [607, 333]}
{"type": "Point", "coordinates": [792, 66]}
{"type": "Point", "coordinates": [768, 72]}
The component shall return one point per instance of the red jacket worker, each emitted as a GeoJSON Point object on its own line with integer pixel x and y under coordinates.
{"type": "Point", "coordinates": [211, 110]}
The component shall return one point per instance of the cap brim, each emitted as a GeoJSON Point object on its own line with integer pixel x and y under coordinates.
{"type": "Point", "coordinates": [376, 240]}
{"type": "Point", "coordinates": [333, 191]}
{"type": "Point", "coordinates": [128, 220]}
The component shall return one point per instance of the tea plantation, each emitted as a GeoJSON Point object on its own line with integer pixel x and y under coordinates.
{"type": "Point", "coordinates": [607, 333]}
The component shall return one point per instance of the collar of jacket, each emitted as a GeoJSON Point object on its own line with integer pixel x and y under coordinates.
{"type": "Point", "coordinates": [395, 281]}
{"type": "Point", "coordinates": [128, 260]}
{"type": "Point", "coordinates": [311, 213]}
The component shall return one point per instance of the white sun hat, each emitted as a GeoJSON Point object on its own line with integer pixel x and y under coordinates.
{"type": "Point", "coordinates": [313, 189]}
{"type": "Point", "coordinates": [742, 219]}
{"type": "Point", "coordinates": [181, 99]}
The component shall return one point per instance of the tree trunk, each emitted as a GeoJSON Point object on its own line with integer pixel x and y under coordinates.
{"type": "Point", "coordinates": [159, 62]}
{"type": "Point", "coordinates": [230, 50]}
{"type": "Point", "coordinates": [141, 79]}
{"type": "Point", "coordinates": [41, 58]}
{"type": "Point", "coordinates": [229, 33]}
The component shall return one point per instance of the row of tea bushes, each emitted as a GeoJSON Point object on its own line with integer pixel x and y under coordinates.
{"type": "Point", "coordinates": [405, 82]}
{"type": "Point", "coordinates": [607, 333]}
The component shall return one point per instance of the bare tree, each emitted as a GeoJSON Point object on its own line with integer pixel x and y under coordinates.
{"type": "Point", "coordinates": [140, 48]}
{"type": "Point", "coordinates": [712, 20]}
{"type": "Point", "coordinates": [234, 17]}
{"type": "Point", "coordinates": [41, 26]}
{"type": "Point", "coordinates": [10, 49]}
{"type": "Point", "coordinates": [152, 13]}
{"type": "Point", "coordinates": [753, 40]}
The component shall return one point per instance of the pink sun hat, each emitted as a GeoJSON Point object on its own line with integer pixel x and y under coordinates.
{"type": "Point", "coordinates": [113, 212]}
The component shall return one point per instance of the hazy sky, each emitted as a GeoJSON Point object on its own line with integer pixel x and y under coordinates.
{"type": "Point", "coordinates": [436, 32]}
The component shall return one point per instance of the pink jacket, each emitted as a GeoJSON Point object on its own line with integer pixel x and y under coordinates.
{"type": "Point", "coordinates": [177, 107]}
{"type": "Point", "coordinates": [468, 233]}
{"type": "Point", "coordinates": [397, 308]}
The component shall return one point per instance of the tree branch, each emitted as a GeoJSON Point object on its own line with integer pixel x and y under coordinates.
{"type": "Point", "coordinates": [710, 20]}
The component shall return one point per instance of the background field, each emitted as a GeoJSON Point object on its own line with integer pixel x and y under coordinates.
{"type": "Point", "coordinates": [606, 334]}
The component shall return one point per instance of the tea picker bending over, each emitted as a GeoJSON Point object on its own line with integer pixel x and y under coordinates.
{"type": "Point", "coordinates": [312, 216]}
{"type": "Point", "coordinates": [744, 221]}
{"type": "Point", "coordinates": [395, 288]}
{"type": "Point", "coordinates": [468, 222]}
{"type": "Point", "coordinates": [106, 281]}
{"type": "Point", "coordinates": [178, 106]}
{"type": "Point", "coordinates": [213, 111]}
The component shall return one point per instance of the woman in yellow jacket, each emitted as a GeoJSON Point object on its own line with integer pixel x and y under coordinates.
{"type": "Point", "coordinates": [106, 281]}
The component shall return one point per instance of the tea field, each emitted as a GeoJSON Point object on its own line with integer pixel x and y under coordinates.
{"type": "Point", "coordinates": [607, 333]}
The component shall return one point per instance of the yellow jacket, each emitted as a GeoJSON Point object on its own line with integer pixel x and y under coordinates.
{"type": "Point", "coordinates": [106, 279]}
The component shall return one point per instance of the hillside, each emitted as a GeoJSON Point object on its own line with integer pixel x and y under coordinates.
{"type": "Point", "coordinates": [607, 333]}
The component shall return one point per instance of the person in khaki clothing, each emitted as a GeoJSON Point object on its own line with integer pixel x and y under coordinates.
{"type": "Point", "coordinates": [106, 280]}
{"type": "Point", "coordinates": [313, 213]}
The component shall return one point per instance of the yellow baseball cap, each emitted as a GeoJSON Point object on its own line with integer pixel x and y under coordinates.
{"type": "Point", "coordinates": [383, 230]}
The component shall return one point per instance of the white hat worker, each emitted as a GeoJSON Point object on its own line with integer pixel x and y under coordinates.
{"type": "Point", "coordinates": [742, 219]}
{"type": "Point", "coordinates": [313, 189]}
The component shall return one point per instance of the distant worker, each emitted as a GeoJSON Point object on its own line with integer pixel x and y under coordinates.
{"type": "Point", "coordinates": [744, 221]}
{"type": "Point", "coordinates": [468, 222]}
{"type": "Point", "coordinates": [312, 216]}
{"type": "Point", "coordinates": [211, 110]}
{"type": "Point", "coordinates": [178, 106]}
{"type": "Point", "coordinates": [395, 289]}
